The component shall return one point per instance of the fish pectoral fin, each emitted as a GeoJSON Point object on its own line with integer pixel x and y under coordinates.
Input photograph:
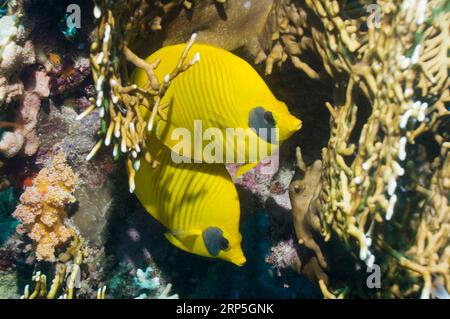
{"type": "Point", "coordinates": [185, 233]}
{"type": "Point", "coordinates": [182, 239]}
{"type": "Point", "coordinates": [244, 169]}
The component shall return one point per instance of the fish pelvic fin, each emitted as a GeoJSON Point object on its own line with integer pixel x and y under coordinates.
{"type": "Point", "coordinates": [182, 239]}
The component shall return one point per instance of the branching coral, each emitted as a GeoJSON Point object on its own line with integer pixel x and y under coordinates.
{"type": "Point", "coordinates": [160, 10]}
{"type": "Point", "coordinates": [67, 277]}
{"type": "Point", "coordinates": [118, 100]}
{"type": "Point", "coordinates": [42, 208]}
{"type": "Point", "coordinates": [372, 196]}
{"type": "Point", "coordinates": [287, 36]}
{"type": "Point", "coordinates": [235, 25]}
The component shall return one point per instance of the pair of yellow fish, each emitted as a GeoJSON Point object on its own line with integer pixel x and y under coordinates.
{"type": "Point", "coordinates": [199, 203]}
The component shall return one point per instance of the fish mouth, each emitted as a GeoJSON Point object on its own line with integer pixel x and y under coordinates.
{"type": "Point", "coordinates": [240, 261]}
{"type": "Point", "coordinates": [298, 125]}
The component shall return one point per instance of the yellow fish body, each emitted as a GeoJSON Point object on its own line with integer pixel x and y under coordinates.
{"type": "Point", "coordinates": [222, 91]}
{"type": "Point", "coordinates": [198, 203]}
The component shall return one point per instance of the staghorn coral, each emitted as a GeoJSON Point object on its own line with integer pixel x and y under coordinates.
{"type": "Point", "coordinates": [372, 196]}
{"type": "Point", "coordinates": [117, 99]}
{"type": "Point", "coordinates": [67, 276]}
{"type": "Point", "coordinates": [288, 36]}
{"type": "Point", "coordinates": [240, 24]}
{"type": "Point", "coordinates": [42, 208]}
{"type": "Point", "coordinates": [160, 10]}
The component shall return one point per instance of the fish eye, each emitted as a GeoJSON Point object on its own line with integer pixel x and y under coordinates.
{"type": "Point", "coordinates": [214, 240]}
{"type": "Point", "coordinates": [224, 244]}
{"type": "Point", "coordinates": [263, 122]}
{"type": "Point", "coordinates": [268, 118]}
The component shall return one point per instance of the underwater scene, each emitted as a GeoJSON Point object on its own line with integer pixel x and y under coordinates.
{"type": "Point", "coordinates": [224, 149]}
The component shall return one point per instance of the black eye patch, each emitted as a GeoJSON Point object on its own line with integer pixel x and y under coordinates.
{"type": "Point", "coordinates": [214, 240]}
{"type": "Point", "coordinates": [268, 118]}
{"type": "Point", "coordinates": [262, 122]}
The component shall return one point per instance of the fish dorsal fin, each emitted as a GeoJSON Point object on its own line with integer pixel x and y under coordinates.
{"type": "Point", "coordinates": [244, 169]}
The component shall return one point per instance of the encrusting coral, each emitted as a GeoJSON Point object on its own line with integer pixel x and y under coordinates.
{"type": "Point", "coordinates": [303, 192]}
{"type": "Point", "coordinates": [42, 208]}
{"type": "Point", "coordinates": [18, 52]}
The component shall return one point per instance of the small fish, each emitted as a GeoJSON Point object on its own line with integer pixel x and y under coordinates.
{"type": "Point", "coordinates": [222, 91]}
{"type": "Point", "coordinates": [197, 203]}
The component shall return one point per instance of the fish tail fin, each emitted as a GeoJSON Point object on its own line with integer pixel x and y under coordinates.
{"type": "Point", "coordinates": [240, 261]}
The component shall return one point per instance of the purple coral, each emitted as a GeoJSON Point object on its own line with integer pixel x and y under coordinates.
{"type": "Point", "coordinates": [282, 256]}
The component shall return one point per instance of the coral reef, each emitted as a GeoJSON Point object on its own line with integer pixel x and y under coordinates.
{"type": "Point", "coordinates": [117, 102]}
{"type": "Point", "coordinates": [371, 192]}
{"type": "Point", "coordinates": [282, 256]}
{"type": "Point", "coordinates": [69, 275]}
{"type": "Point", "coordinates": [8, 201]}
{"type": "Point", "coordinates": [24, 138]}
{"type": "Point", "coordinates": [8, 286]}
{"type": "Point", "coordinates": [303, 191]}
{"type": "Point", "coordinates": [60, 132]}
{"type": "Point", "coordinates": [235, 25]}
{"type": "Point", "coordinates": [377, 194]}
{"type": "Point", "coordinates": [17, 52]}
{"type": "Point", "coordinates": [42, 208]}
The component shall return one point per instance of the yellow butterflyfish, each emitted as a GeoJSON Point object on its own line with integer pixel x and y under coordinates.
{"type": "Point", "coordinates": [198, 203]}
{"type": "Point", "coordinates": [222, 101]}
